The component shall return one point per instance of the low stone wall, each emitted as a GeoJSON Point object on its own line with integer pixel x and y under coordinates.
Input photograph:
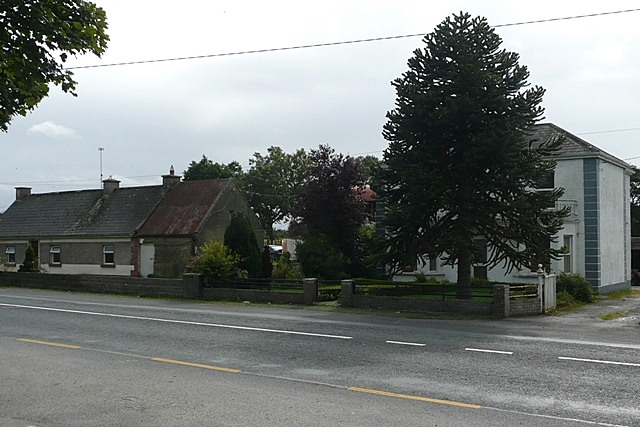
{"type": "Point", "coordinates": [168, 288]}
{"type": "Point", "coordinates": [524, 306]}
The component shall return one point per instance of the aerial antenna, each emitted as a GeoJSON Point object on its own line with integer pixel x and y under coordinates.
{"type": "Point", "coordinates": [100, 149]}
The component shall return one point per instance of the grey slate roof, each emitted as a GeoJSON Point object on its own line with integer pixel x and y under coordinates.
{"type": "Point", "coordinates": [573, 146]}
{"type": "Point", "coordinates": [80, 213]}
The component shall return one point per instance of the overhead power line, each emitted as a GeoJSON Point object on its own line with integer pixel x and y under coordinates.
{"type": "Point", "coordinates": [278, 49]}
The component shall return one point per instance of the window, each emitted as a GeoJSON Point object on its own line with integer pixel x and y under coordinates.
{"type": "Point", "coordinates": [546, 184]}
{"type": "Point", "coordinates": [107, 255]}
{"type": "Point", "coordinates": [567, 245]}
{"type": "Point", "coordinates": [433, 264]}
{"type": "Point", "coordinates": [11, 254]}
{"type": "Point", "coordinates": [480, 265]}
{"type": "Point", "coordinates": [55, 255]}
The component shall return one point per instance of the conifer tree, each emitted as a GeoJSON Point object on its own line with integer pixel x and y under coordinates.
{"type": "Point", "coordinates": [460, 163]}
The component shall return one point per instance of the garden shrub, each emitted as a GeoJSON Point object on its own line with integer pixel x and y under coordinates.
{"type": "Point", "coordinates": [576, 285]}
{"type": "Point", "coordinates": [240, 238]}
{"type": "Point", "coordinates": [321, 258]}
{"type": "Point", "coordinates": [214, 259]}
{"type": "Point", "coordinates": [282, 268]}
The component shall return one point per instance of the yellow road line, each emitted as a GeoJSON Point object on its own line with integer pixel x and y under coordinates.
{"type": "Point", "coordinates": [54, 344]}
{"type": "Point", "coordinates": [405, 396]}
{"type": "Point", "coordinates": [195, 365]}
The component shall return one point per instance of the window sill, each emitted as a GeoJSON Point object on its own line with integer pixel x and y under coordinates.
{"type": "Point", "coordinates": [108, 265]}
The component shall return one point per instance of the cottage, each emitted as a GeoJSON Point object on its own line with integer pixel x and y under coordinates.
{"type": "Point", "coordinates": [115, 231]}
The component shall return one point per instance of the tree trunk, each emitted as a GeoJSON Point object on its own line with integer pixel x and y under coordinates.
{"type": "Point", "coordinates": [463, 288]}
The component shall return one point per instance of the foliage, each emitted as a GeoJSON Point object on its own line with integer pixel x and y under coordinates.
{"type": "Point", "coordinates": [36, 38]}
{"type": "Point", "coordinates": [320, 257]}
{"type": "Point", "coordinates": [29, 260]}
{"type": "Point", "coordinates": [272, 183]}
{"type": "Point", "coordinates": [369, 166]}
{"type": "Point", "coordinates": [206, 169]}
{"type": "Point", "coordinates": [214, 259]}
{"type": "Point", "coordinates": [329, 206]}
{"type": "Point", "coordinates": [282, 268]}
{"type": "Point", "coordinates": [564, 300]}
{"type": "Point", "coordinates": [459, 164]}
{"type": "Point", "coordinates": [635, 202]}
{"type": "Point", "coordinates": [576, 285]}
{"type": "Point", "coordinates": [240, 238]}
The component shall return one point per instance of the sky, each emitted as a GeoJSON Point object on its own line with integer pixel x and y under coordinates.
{"type": "Point", "coordinates": [148, 117]}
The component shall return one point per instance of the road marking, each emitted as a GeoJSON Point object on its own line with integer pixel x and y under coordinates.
{"type": "Point", "coordinates": [182, 322]}
{"type": "Point", "coordinates": [409, 397]}
{"type": "Point", "coordinates": [606, 362]}
{"type": "Point", "coordinates": [578, 342]}
{"type": "Point", "coordinates": [195, 365]}
{"type": "Point", "coordinates": [407, 343]}
{"type": "Point", "coordinates": [53, 344]}
{"type": "Point", "coordinates": [552, 417]}
{"type": "Point", "coordinates": [479, 350]}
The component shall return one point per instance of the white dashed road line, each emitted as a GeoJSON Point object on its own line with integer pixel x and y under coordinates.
{"type": "Point", "coordinates": [480, 350]}
{"type": "Point", "coordinates": [606, 362]}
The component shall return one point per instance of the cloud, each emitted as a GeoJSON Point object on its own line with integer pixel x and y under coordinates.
{"type": "Point", "coordinates": [52, 130]}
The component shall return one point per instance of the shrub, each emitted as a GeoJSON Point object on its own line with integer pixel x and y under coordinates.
{"type": "Point", "coordinates": [29, 260]}
{"type": "Point", "coordinates": [576, 285]}
{"type": "Point", "coordinates": [214, 259]}
{"type": "Point", "coordinates": [319, 257]}
{"type": "Point", "coordinates": [282, 268]}
{"type": "Point", "coordinates": [240, 238]}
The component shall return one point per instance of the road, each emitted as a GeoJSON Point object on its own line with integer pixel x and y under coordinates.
{"type": "Point", "coordinates": [83, 360]}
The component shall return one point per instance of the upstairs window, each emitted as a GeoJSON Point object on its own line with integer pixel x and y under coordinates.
{"type": "Point", "coordinates": [54, 253]}
{"type": "Point", "coordinates": [107, 255]}
{"type": "Point", "coordinates": [11, 254]}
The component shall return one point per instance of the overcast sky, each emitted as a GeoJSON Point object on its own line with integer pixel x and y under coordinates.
{"type": "Point", "coordinates": [148, 117]}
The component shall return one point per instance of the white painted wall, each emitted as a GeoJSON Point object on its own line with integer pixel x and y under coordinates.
{"type": "Point", "coordinates": [613, 225]}
{"type": "Point", "coordinates": [118, 270]}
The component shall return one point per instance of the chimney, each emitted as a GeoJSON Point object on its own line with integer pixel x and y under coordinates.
{"type": "Point", "coordinates": [110, 184]}
{"type": "Point", "coordinates": [170, 181]}
{"type": "Point", "coordinates": [22, 192]}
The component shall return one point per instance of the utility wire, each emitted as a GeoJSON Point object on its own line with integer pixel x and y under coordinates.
{"type": "Point", "coordinates": [278, 49]}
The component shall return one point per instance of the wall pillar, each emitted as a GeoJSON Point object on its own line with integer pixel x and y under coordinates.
{"type": "Point", "coordinates": [309, 291]}
{"type": "Point", "coordinates": [192, 283]}
{"type": "Point", "coordinates": [346, 292]}
{"type": "Point", "coordinates": [501, 301]}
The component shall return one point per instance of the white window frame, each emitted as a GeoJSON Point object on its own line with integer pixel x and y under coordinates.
{"type": "Point", "coordinates": [10, 251]}
{"type": "Point", "coordinates": [54, 255]}
{"type": "Point", "coordinates": [108, 250]}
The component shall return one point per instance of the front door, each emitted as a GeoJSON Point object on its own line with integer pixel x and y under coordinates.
{"type": "Point", "coordinates": [147, 256]}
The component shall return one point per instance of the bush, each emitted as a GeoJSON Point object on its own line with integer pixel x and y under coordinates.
{"type": "Point", "coordinates": [214, 259]}
{"type": "Point", "coordinates": [240, 238]}
{"type": "Point", "coordinates": [577, 286]}
{"type": "Point", "coordinates": [282, 268]}
{"type": "Point", "coordinates": [29, 260]}
{"type": "Point", "coordinates": [319, 257]}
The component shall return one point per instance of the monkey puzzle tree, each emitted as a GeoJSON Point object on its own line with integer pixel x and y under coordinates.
{"type": "Point", "coordinates": [459, 164]}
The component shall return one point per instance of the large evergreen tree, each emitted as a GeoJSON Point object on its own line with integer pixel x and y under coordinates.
{"type": "Point", "coordinates": [635, 202]}
{"type": "Point", "coordinates": [460, 164]}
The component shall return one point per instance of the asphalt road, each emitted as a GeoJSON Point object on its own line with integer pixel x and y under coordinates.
{"type": "Point", "coordinates": [84, 360]}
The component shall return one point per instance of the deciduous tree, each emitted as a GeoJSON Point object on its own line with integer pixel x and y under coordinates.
{"type": "Point", "coordinates": [460, 163]}
{"type": "Point", "coordinates": [272, 183]}
{"type": "Point", "coordinates": [206, 169]}
{"type": "Point", "coordinates": [36, 38]}
{"type": "Point", "coordinates": [329, 206]}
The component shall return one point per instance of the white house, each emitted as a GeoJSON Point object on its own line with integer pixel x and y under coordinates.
{"type": "Point", "coordinates": [597, 234]}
